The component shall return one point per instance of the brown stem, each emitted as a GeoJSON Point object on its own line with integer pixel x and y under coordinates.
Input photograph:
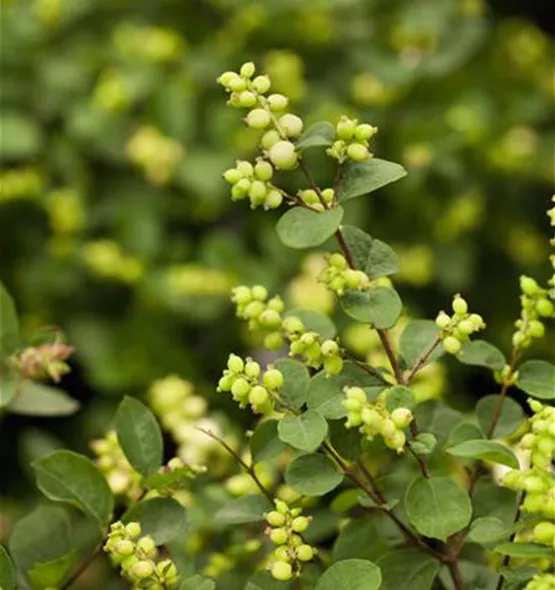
{"type": "Point", "coordinates": [366, 367]}
{"type": "Point", "coordinates": [422, 460]}
{"type": "Point", "coordinates": [386, 343]}
{"type": "Point", "coordinates": [82, 567]}
{"type": "Point", "coordinates": [456, 576]}
{"type": "Point", "coordinates": [421, 360]}
{"type": "Point", "coordinates": [502, 395]}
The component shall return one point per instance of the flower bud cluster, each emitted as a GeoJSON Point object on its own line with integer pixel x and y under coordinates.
{"type": "Point", "coordinates": [352, 140]}
{"type": "Point", "coordinates": [457, 328]}
{"type": "Point", "coordinates": [266, 113]}
{"type": "Point", "coordinates": [286, 526]}
{"type": "Point", "coordinates": [253, 182]}
{"type": "Point", "coordinates": [535, 305]}
{"type": "Point", "coordinates": [263, 314]}
{"type": "Point", "coordinates": [374, 419]}
{"type": "Point", "coordinates": [136, 556]}
{"type": "Point", "coordinates": [338, 276]}
{"type": "Point", "coordinates": [45, 361]}
{"type": "Point", "coordinates": [249, 385]}
{"type": "Point", "coordinates": [318, 202]}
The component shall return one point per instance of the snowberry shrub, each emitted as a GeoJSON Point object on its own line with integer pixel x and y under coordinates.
{"type": "Point", "coordinates": [423, 496]}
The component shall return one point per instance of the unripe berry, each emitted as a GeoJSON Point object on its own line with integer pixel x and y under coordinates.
{"type": "Point", "coordinates": [253, 309]}
{"type": "Point", "coordinates": [528, 286]}
{"type": "Point", "coordinates": [240, 189]}
{"type": "Point", "coordinates": [147, 546]}
{"type": "Point", "coordinates": [281, 570]}
{"type": "Point", "coordinates": [536, 329]}
{"type": "Point", "coordinates": [277, 102]}
{"type": "Point", "coordinates": [232, 175]}
{"type": "Point", "coordinates": [133, 530]}
{"type": "Point", "coordinates": [397, 441]}
{"type": "Point", "coordinates": [257, 192]}
{"type": "Point", "coordinates": [240, 388]}
{"type": "Point", "coordinates": [124, 548]}
{"type": "Point", "coordinates": [141, 570]}
{"type": "Point", "coordinates": [247, 69]}
{"type": "Point", "coordinates": [275, 518]}
{"type": "Point", "coordinates": [371, 418]}
{"type": "Point", "coordinates": [364, 132]}
{"type": "Point", "coordinates": [258, 119]}
{"type": "Point", "coordinates": [291, 125]}
{"type": "Point", "coordinates": [245, 168]}
{"type": "Point", "coordinates": [129, 562]}
{"type": "Point", "coordinates": [252, 369]}
{"type": "Point", "coordinates": [292, 324]}
{"type": "Point", "coordinates": [465, 328]}
{"type": "Point", "coordinates": [338, 261]}
{"type": "Point", "coordinates": [281, 553]}
{"type": "Point", "coordinates": [278, 536]}
{"type": "Point", "coordinates": [388, 428]}
{"type": "Point", "coordinates": [273, 341]}
{"type": "Point", "coordinates": [451, 345]}
{"type": "Point", "coordinates": [358, 152]}
{"type": "Point", "coordinates": [226, 77]}
{"type": "Point", "coordinates": [460, 307]}
{"type": "Point", "coordinates": [270, 138]}
{"type": "Point", "coordinates": [328, 195]}
{"type": "Point", "coordinates": [235, 363]}
{"type": "Point", "coordinates": [261, 84]}
{"type": "Point", "coordinates": [534, 484]}
{"type": "Point", "coordinates": [333, 365]}
{"type": "Point", "coordinates": [258, 395]}
{"type": "Point", "coordinates": [477, 321]}
{"type": "Point", "coordinates": [259, 292]}
{"type": "Point", "coordinates": [263, 170]}
{"type": "Point", "coordinates": [345, 128]}
{"type": "Point", "coordinates": [544, 532]}
{"type": "Point", "coordinates": [401, 417]}
{"type": "Point", "coordinates": [300, 524]}
{"type": "Point", "coordinates": [304, 552]}
{"type": "Point", "coordinates": [246, 99]}
{"type": "Point", "coordinates": [309, 196]}
{"type": "Point", "coordinates": [329, 348]}
{"type": "Point", "coordinates": [225, 383]}
{"type": "Point", "coordinates": [273, 199]}
{"type": "Point", "coordinates": [283, 155]}
{"type": "Point", "coordinates": [442, 320]}
{"type": "Point", "coordinates": [356, 393]}
{"type": "Point", "coordinates": [270, 318]}
{"type": "Point", "coordinates": [545, 308]}
{"type": "Point", "coordinates": [237, 84]}
{"type": "Point", "coordinates": [273, 379]}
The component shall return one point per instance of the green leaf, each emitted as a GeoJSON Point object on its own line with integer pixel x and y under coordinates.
{"type": "Point", "coordinates": [490, 499]}
{"type": "Point", "coordinates": [351, 574]}
{"type": "Point", "coordinates": [302, 228]}
{"type": "Point", "coordinates": [51, 573]}
{"type": "Point", "coordinates": [516, 578]}
{"type": "Point", "coordinates": [317, 135]}
{"type": "Point", "coordinates": [482, 354]}
{"type": "Point", "coordinates": [8, 387]}
{"type": "Point", "coordinates": [312, 475]}
{"type": "Point", "coordinates": [265, 443]}
{"type": "Point", "coordinates": [463, 432]}
{"type": "Point", "coordinates": [36, 399]}
{"type": "Point", "coordinates": [305, 432]}
{"type": "Point", "coordinates": [168, 480]}
{"type": "Point", "coordinates": [198, 582]}
{"type": "Point", "coordinates": [486, 450]}
{"type": "Point", "coordinates": [525, 550]}
{"type": "Point", "coordinates": [424, 443]}
{"type": "Point", "coordinates": [242, 510]}
{"type": "Point", "coordinates": [7, 571]}
{"type": "Point", "coordinates": [374, 257]}
{"type": "Point", "coordinates": [380, 307]}
{"type": "Point", "coordinates": [416, 338]}
{"type": "Point", "coordinates": [345, 500]}
{"type": "Point", "coordinates": [537, 378]}
{"type": "Point", "coordinates": [164, 519]}
{"type": "Point", "coordinates": [296, 380]}
{"type": "Point", "coordinates": [20, 135]}
{"type": "Point", "coordinates": [64, 476]}
{"type": "Point", "coordinates": [399, 397]}
{"type": "Point", "coordinates": [359, 539]}
{"type": "Point", "coordinates": [346, 441]}
{"type": "Point", "coordinates": [367, 502]}
{"type": "Point", "coordinates": [139, 436]}
{"type": "Point", "coordinates": [510, 418]}
{"type": "Point", "coordinates": [314, 321]}
{"type": "Point", "coordinates": [437, 507]}
{"type": "Point", "coordinates": [435, 417]}
{"type": "Point", "coordinates": [488, 529]}
{"type": "Point", "coordinates": [408, 569]}
{"type": "Point", "coordinates": [365, 177]}
{"type": "Point", "coordinates": [9, 324]}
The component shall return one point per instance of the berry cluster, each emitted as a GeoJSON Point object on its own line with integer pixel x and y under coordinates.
{"type": "Point", "coordinates": [352, 140]}
{"type": "Point", "coordinates": [254, 182]}
{"type": "Point", "coordinates": [535, 304]}
{"type": "Point", "coordinates": [243, 379]}
{"type": "Point", "coordinates": [338, 276]}
{"type": "Point", "coordinates": [44, 361]}
{"type": "Point", "coordinates": [286, 526]}
{"type": "Point", "coordinates": [541, 582]}
{"type": "Point", "coordinates": [319, 201]}
{"type": "Point", "coordinates": [136, 557]}
{"type": "Point", "coordinates": [374, 418]}
{"type": "Point", "coordinates": [457, 328]}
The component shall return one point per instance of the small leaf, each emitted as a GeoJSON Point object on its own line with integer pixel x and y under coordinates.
{"type": "Point", "coordinates": [52, 573]}
{"type": "Point", "coordinates": [408, 569]}
{"type": "Point", "coordinates": [537, 378]}
{"type": "Point", "coordinates": [416, 338]}
{"type": "Point", "coordinates": [482, 354]}
{"type": "Point", "coordinates": [8, 387]}
{"type": "Point", "coordinates": [367, 502]}
{"type": "Point", "coordinates": [380, 307]}
{"type": "Point", "coordinates": [435, 417]}
{"type": "Point", "coordinates": [198, 582]}
{"type": "Point", "coordinates": [486, 450]}
{"type": "Point", "coordinates": [36, 399]}
{"type": "Point", "coordinates": [345, 500]}
{"type": "Point", "coordinates": [437, 507]}
{"type": "Point", "coordinates": [463, 432]}
{"type": "Point", "coordinates": [265, 443]}
{"type": "Point", "coordinates": [164, 519]}
{"type": "Point", "coordinates": [374, 257]}
{"type": "Point", "coordinates": [351, 574]}
{"type": "Point", "coordinates": [399, 397]}
{"type": "Point", "coordinates": [302, 228]}
{"type": "Point", "coordinates": [317, 135]}
{"type": "Point", "coordinates": [365, 177]}
{"type": "Point", "coordinates": [296, 380]}
{"type": "Point", "coordinates": [312, 475]}
{"type": "Point", "coordinates": [242, 510]}
{"type": "Point", "coordinates": [314, 321]}
{"type": "Point", "coordinates": [488, 529]}
{"type": "Point", "coordinates": [492, 500]}
{"type": "Point", "coordinates": [346, 441]}
{"type": "Point", "coordinates": [424, 443]}
{"type": "Point", "coordinates": [7, 571]}
{"type": "Point", "coordinates": [9, 324]}
{"type": "Point", "coordinates": [64, 476]}
{"type": "Point", "coordinates": [510, 418]}
{"type": "Point", "coordinates": [305, 432]}
{"type": "Point", "coordinates": [359, 539]}
{"type": "Point", "coordinates": [359, 243]}
{"type": "Point", "coordinates": [139, 436]}
{"type": "Point", "coordinates": [525, 550]}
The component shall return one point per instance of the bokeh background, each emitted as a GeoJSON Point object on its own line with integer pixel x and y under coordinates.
{"type": "Point", "coordinates": [115, 224]}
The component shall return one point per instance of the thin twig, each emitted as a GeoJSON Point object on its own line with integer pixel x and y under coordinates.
{"type": "Point", "coordinates": [366, 367]}
{"type": "Point", "coordinates": [422, 460]}
{"type": "Point", "coordinates": [386, 343]}
{"type": "Point", "coordinates": [421, 360]}
{"type": "Point", "coordinates": [456, 576]}
{"type": "Point", "coordinates": [507, 559]}
{"type": "Point", "coordinates": [502, 395]}
{"type": "Point", "coordinates": [82, 567]}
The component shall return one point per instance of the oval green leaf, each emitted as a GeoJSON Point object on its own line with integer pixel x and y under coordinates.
{"type": "Point", "coordinates": [164, 519]}
{"type": "Point", "coordinates": [437, 507]}
{"type": "Point", "coordinates": [537, 378]}
{"type": "Point", "coordinates": [302, 228]}
{"type": "Point", "coordinates": [36, 399]}
{"type": "Point", "coordinates": [9, 324]}
{"type": "Point", "coordinates": [314, 321]}
{"type": "Point", "coordinates": [312, 475]}
{"type": "Point", "coordinates": [408, 569]}
{"type": "Point", "coordinates": [510, 418]}
{"type": "Point", "coordinates": [296, 380]}
{"type": "Point", "coordinates": [365, 177]}
{"type": "Point", "coordinates": [379, 307]}
{"type": "Point", "coordinates": [198, 582]}
{"type": "Point", "coordinates": [418, 337]}
{"type": "Point", "coordinates": [482, 354]}
{"type": "Point", "coordinates": [242, 510]}
{"type": "Point", "coordinates": [526, 550]}
{"type": "Point", "coordinates": [65, 476]}
{"type": "Point", "coordinates": [305, 432]}
{"type": "Point", "coordinates": [486, 450]}
{"type": "Point", "coordinates": [488, 529]}
{"type": "Point", "coordinates": [351, 574]}
{"type": "Point", "coordinates": [7, 571]}
{"type": "Point", "coordinates": [318, 135]}
{"type": "Point", "coordinates": [374, 257]}
{"type": "Point", "coordinates": [265, 443]}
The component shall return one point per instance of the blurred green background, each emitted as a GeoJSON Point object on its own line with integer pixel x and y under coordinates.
{"type": "Point", "coordinates": [115, 224]}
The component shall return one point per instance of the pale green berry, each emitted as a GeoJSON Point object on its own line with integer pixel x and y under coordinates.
{"type": "Point", "coordinates": [338, 260]}
{"type": "Point", "coordinates": [353, 405]}
{"type": "Point", "coordinates": [371, 418]}
{"type": "Point", "coordinates": [124, 548]}
{"type": "Point", "coordinates": [141, 570]}
{"type": "Point", "coordinates": [544, 532]}
{"type": "Point", "coordinates": [401, 417]}
{"type": "Point", "coordinates": [328, 194]}
{"type": "Point", "coordinates": [253, 309]}
{"type": "Point", "coordinates": [133, 530]}
{"type": "Point", "coordinates": [528, 441]}
{"type": "Point", "coordinates": [281, 506]}
{"type": "Point", "coordinates": [235, 363]}
{"type": "Point", "coordinates": [300, 524]}
{"type": "Point", "coordinates": [534, 484]}
{"type": "Point", "coordinates": [263, 170]}
{"type": "Point", "coordinates": [460, 307]}
{"type": "Point", "coordinates": [237, 193]}
{"type": "Point", "coordinates": [259, 292]}
{"type": "Point", "coordinates": [129, 562]}
{"type": "Point", "coordinates": [257, 192]}
{"type": "Point", "coordinates": [292, 324]}
{"type": "Point", "coordinates": [291, 125]}
{"type": "Point", "coordinates": [536, 329]}
{"type": "Point", "coordinates": [275, 518]}
{"type": "Point", "coordinates": [258, 119]}
{"type": "Point", "coordinates": [226, 77]}
{"type": "Point", "coordinates": [240, 388]}
{"type": "Point", "coordinates": [356, 393]}
{"type": "Point", "coordinates": [345, 128]}
{"type": "Point", "coordinates": [296, 541]}
{"type": "Point", "coordinates": [277, 102]}
{"type": "Point", "coordinates": [451, 345]}
{"type": "Point", "coordinates": [545, 308]}
{"type": "Point", "coordinates": [333, 365]}
{"type": "Point", "coordinates": [304, 552]}
{"type": "Point", "coordinates": [273, 379]}
{"type": "Point", "coordinates": [466, 327]}
{"type": "Point", "coordinates": [281, 553]}
{"type": "Point", "coordinates": [273, 199]}
{"type": "Point", "coordinates": [442, 320]}
{"type": "Point", "coordinates": [245, 168]}
{"type": "Point", "coordinates": [232, 175]}
{"type": "Point", "coordinates": [261, 84]}
{"type": "Point", "coordinates": [237, 84]}
{"type": "Point", "coordinates": [147, 546]}
{"type": "Point", "coordinates": [283, 155]}
{"type": "Point", "coordinates": [388, 428]}
{"type": "Point", "coordinates": [309, 338]}
{"type": "Point", "coordinates": [329, 348]}
{"type": "Point", "coordinates": [273, 341]}
{"type": "Point", "coordinates": [357, 152]}
{"type": "Point", "coordinates": [247, 99]}
{"type": "Point", "coordinates": [270, 138]}
{"type": "Point", "coordinates": [355, 279]}
{"type": "Point", "coordinates": [477, 321]}
{"type": "Point", "coordinates": [276, 303]}
{"type": "Point", "coordinates": [247, 69]}
{"type": "Point", "coordinates": [528, 286]}
{"type": "Point", "coordinates": [309, 196]}
{"type": "Point", "coordinates": [242, 185]}
{"type": "Point", "coordinates": [278, 536]}
{"type": "Point", "coordinates": [364, 132]}
{"type": "Point", "coordinates": [397, 441]}
{"type": "Point", "coordinates": [225, 383]}
{"type": "Point", "coordinates": [281, 570]}
{"type": "Point", "coordinates": [258, 395]}
{"type": "Point", "coordinates": [270, 318]}
{"type": "Point", "coordinates": [252, 369]}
